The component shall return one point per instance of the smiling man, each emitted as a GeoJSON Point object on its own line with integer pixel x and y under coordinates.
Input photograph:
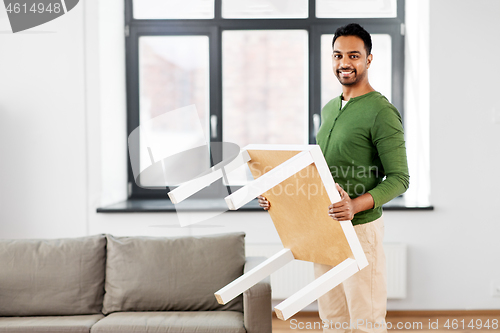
{"type": "Point", "coordinates": [362, 139]}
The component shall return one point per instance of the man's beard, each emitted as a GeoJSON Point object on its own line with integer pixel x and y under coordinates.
{"type": "Point", "coordinates": [348, 83]}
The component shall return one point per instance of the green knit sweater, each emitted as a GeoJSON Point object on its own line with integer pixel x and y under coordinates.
{"type": "Point", "coordinates": [363, 143]}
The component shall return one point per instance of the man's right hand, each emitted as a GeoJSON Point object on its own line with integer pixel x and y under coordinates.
{"type": "Point", "coordinates": [263, 202]}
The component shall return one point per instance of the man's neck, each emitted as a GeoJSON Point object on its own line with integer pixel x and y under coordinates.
{"type": "Point", "coordinates": [349, 92]}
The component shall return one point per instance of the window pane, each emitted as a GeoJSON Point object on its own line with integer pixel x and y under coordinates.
{"type": "Point", "coordinates": [265, 86]}
{"type": "Point", "coordinates": [379, 74]}
{"type": "Point", "coordinates": [174, 73]}
{"type": "Point", "coordinates": [355, 8]}
{"type": "Point", "coordinates": [264, 9]}
{"type": "Point", "coordinates": [265, 82]}
{"type": "Point", "coordinates": [173, 9]}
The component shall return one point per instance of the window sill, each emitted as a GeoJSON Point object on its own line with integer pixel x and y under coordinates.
{"type": "Point", "coordinates": [165, 206]}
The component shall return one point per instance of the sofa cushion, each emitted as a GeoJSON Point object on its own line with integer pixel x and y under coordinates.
{"type": "Point", "coordinates": [52, 277]}
{"type": "Point", "coordinates": [59, 324]}
{"type": "Point", "coordinates": [169, 322]}
{"type": "Point", "coordinates": [171, 274]}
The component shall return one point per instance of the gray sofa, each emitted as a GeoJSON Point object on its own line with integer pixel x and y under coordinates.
{"type": "Point", "coordinates": [113, 284]}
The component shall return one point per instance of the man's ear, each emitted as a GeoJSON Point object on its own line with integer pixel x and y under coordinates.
{"type": "Point", "coordinates": [369, 60]}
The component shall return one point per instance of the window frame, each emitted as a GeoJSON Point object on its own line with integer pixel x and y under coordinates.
{"type": "Point", "coordinates": [213, 28]}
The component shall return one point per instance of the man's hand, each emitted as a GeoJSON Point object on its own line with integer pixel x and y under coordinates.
{"type": "Point", "coordinates": [345, 209]}
{"type": "Point", "coordinates": [342, 210]}
{"type": "Point", "coordinates": [263, 202]}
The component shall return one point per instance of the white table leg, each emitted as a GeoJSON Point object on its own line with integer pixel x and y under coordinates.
{"type": "Point", "coordinates": [315, 289]}
{"type": "Point", "coordinates": [254, 276]}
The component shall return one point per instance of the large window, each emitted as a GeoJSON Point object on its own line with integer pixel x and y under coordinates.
{"type": "Point", "coordinates": [256, 71]}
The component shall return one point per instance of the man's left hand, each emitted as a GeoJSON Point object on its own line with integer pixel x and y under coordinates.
{"type": "Point", "coordinates": [344, 209]}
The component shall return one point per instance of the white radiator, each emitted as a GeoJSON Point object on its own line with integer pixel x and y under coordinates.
{"type": "Point", "coordinates": [297, 274]}
{"type": "Point", "coordinates": [395, 254]}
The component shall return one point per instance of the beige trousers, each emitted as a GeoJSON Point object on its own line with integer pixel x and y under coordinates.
{"type": "Point", "coordinates": [359, 303]}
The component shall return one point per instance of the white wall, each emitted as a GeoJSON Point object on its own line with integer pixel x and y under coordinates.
{"type": "Point", "coordinates": [43, 171]}
{"type": "Point", "coordinates": [62, 124]}
{"type": "Point", "coordinates": [454, 250]}
{"type": "Point", "coordinates": [451, 249]}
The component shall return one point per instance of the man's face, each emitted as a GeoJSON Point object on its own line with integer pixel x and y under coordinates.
{"type": "Point", "coordinates": [350, 61]}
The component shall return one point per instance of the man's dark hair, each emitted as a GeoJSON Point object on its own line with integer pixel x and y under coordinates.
{"type": "Point", "coordinates": [354, 29]}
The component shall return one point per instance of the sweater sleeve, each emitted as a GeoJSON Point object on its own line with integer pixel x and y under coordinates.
{"type": "Point", "coordinates": [388, 138]}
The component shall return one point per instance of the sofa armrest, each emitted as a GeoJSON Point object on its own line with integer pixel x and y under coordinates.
{"type": "Point", "coordinates": [257, 306]}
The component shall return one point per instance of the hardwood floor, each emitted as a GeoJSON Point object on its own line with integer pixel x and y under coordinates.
{"type": "Point", "coordinates": [421, 321]}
